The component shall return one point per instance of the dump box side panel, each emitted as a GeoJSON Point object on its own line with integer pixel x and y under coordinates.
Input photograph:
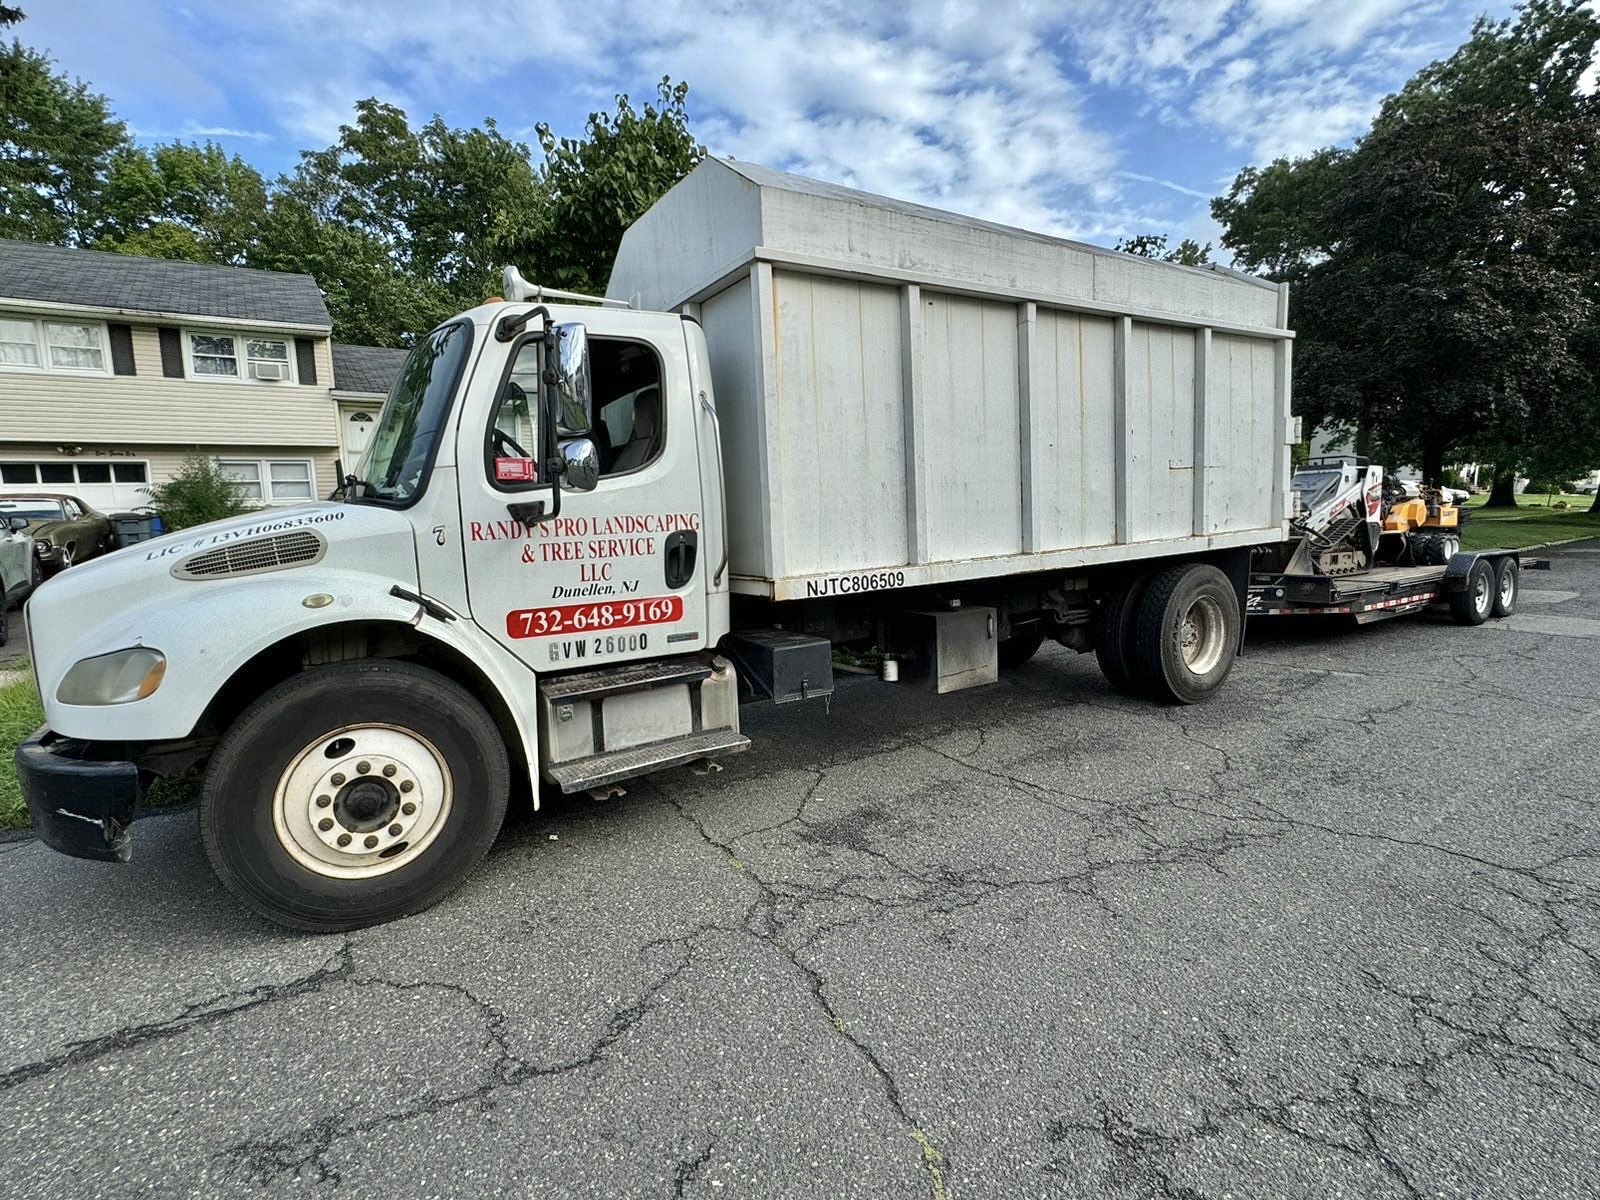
{"type": "Point", "coordinates": [840, 483]}
{"type": "Point", "coordinates": [969, 408]}
{"type": "Point", "coordinates": [733, 343]}
{"type": "Point", "coordinates": [1072, 365]}
{"type": "Point", "coordinates": [1240, 431]}
{"type": "Point", "coordinates": [1160, 432]}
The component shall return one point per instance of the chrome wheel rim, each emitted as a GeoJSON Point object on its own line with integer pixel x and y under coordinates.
{"type": "Point", "coordinates": [1508, 587]}
{"type": "Point", "coordinates": [1480, 592]}
{"type": "Point", "coordinates": [66, 557]}
{"type": "Point", "coordinates": [362, 801]}
{"type": "Point", "coordinates": [1201, 632]}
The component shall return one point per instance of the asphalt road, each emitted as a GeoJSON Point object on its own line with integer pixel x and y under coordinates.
{"type": "Point", "coordinates": [1336, 933]}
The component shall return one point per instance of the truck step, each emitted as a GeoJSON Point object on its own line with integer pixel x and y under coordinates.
{"type": "Point", "coordinates": [614, 765]}
{"type": "Point", "coordinates": [633, 677]}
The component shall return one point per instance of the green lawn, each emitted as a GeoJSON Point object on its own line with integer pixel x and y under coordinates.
{"type": "Point", "coordinates": [20, 715]}
{"type": "Point", "coordinates": [1531, 523]}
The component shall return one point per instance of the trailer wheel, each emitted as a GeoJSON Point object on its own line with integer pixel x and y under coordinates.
{"type": "Point", "coordinates": [1114, 635]}
{"type": "Point", "coordinates": [1187, 634]}
{"type": "Point", "coordinates": [1473, 603]}
{"type": "Point", "coordinates": [1506, 585]}
{"type": "Point", "coordinates": [354, 794]}
{"type": "Point", "coordinates": [1020, 647]}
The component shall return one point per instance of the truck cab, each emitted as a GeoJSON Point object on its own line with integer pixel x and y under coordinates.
{"type": "Point", "coordinates": [523, 582]}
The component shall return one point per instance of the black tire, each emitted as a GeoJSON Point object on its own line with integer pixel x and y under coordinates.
{"type": "Point", "coordinates": [1507, 586]}
{"type": "Point", "coordinates": [1114, 633]}
{"type": "Point", "coordinates": [1022, 645]}
{"type": "Point", "coordinates": [5, 627]}
{"type": "Point", "coordinates": [285, 726]}
{"type": "Point", "coordinates": [1428, 549]}
{"type": "Point", "coordinates": [35, 575]}
{"type": "Point", "coordinates": [1192, 597]}
{"type": "Point", "coordinates": [1473, 603]}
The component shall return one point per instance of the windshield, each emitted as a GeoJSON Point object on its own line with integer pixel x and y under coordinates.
{"type": "Point", "coordinates": [414, 415]}
{"type": "Point", "coordinates": [34, 510]}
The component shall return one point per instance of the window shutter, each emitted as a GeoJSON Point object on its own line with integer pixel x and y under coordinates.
{"type": "Point", "coordinates": [305, 358]}
{"type": "Point", "coordinates": [171, 353]}
{"type": "Point", "coordinates": [121, 349]}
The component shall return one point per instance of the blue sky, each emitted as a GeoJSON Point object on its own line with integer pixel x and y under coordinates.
{"type": "Point", "coordinates": [1088, 118]}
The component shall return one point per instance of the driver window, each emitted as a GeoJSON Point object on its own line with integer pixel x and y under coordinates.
{"type": "Point", "coordinates": [628, 419]}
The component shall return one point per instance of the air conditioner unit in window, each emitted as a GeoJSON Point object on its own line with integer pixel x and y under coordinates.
{"type": "Point", "coordinates": [269, 370]}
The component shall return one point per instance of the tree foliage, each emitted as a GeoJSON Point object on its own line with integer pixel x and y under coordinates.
{"type": "Point", "coordinates": [400, 225]}
{"type": "Point", "coordinates": [1187, 253]}
{"type": "Point", "coordinates": [1446, 267]}
{"type": "Point", "coordinates": [597, 185]}
{"type": "Point", "coordinates": [56, 141]}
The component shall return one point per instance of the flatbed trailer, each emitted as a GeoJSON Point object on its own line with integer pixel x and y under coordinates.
{"type": "Point", "coordinates": [1474, 585]}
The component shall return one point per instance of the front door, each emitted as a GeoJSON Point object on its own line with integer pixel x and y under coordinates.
{"type": "Point", "coordinates": [619, 573]}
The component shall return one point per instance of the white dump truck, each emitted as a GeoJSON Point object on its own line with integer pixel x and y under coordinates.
{"type": "Point", "coordinates": [806, 420]}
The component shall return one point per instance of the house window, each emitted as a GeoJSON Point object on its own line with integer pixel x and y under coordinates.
{"type": "Point", "coordinates": [19, 343]}
{"type": "Point", "coordinates": [72, 346]}
{"type": "Point", "coordinates": [56, 472]}
{"type": "Point", "coordinates": [256, 359]}
{"type": "Point", "coordinates": [75, 347]}
{"type": "Point", "coordinates": [273, 481]}
{"type": "Point", "coordinates": [129, 472]}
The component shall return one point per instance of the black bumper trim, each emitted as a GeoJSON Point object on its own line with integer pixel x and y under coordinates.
{"type": "Point", "coordinates": [79, 806]}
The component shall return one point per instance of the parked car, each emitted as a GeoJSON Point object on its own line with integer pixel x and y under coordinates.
{"type": "Point", "coordinates": [65, 530]}
{"type": "Point", "coordinates": [20, 571]}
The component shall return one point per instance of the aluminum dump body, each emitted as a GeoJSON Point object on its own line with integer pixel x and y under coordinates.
{"type": "Point", "coordinates": [910, 397]}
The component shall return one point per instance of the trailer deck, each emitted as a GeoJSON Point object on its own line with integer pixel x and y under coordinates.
{"type": "Point", "coordinates": [1375, 594]}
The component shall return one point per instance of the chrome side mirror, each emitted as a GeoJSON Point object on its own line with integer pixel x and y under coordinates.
{"type": "Point", "coordinates": [574, 391]}
{"type": "Point", "coordinates": [16, 524]}
{"type": "Point", "coordinates": [580, 465]}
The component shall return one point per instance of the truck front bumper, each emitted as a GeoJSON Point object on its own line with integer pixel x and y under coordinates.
{"type": "Point", "coordinates": [79, 805]}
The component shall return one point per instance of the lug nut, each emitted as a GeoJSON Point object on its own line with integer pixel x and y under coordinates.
{"type": "Point", "coordinates": [388, 770]}
{"type": "Point", "coordinates": [408, 808]}
{"type": "Point", "coordinates": [363, 767]}
{"type": "Point", "coordinates": [406, 785]}
{"type": "Point", "coordinates": [325, 824]}
{"type": "Point", "coordinates": [337, 779]}
{"type": "Point", "coordinates": [344, 839]}
{"type": "Point", "coordinates": [396, 830]}
{"type": "Point", "coordinates": [324, 801]}
{"type": "Point", "coordinates": [372, 840]}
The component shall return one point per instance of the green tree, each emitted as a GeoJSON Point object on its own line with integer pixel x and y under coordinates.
{"type": "Point", "coordinates": [595, 186]}
{"type": "Point", "coordinates": [56, 140]}
{"type": "Point", "coordinates": [1188, 253]}
{"type": "Point", "coordinates": [1446, 267]}
{"type": "Point", "coordinates": [181, 201]}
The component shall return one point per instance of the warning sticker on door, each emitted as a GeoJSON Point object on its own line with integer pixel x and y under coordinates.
{"type": "Point", "coordinates": [583, 618]}
{"type": "Point", "coordinates": [515, 470]}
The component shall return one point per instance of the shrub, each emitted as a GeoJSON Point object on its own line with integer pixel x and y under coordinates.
{"type": "Point", "coordinates": [198, 493]}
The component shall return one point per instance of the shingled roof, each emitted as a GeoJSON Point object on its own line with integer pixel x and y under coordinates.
{"type": "Point", "coordinates": [61, 275]}
{"type": "Point", "coordinates": [366, 368]}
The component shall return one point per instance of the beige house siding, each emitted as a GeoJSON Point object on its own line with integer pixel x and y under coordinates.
{"type": "Point", "coordinates": [58, 407]}
{"type": "Point", "coordinates": [165, 460]}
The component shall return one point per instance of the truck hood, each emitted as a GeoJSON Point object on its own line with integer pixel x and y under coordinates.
{"type": "Point", "coordinates": [138, 595]}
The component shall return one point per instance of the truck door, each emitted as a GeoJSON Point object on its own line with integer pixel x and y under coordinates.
{"type": "Point", "coordinates": [619, 573]}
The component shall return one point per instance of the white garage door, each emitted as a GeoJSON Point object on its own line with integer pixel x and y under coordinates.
{"type": "Point", "coordinates": [108, 485]}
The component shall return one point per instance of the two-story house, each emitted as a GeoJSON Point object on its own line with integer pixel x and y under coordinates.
{"type": "Point", "coordinates": [113, 369]}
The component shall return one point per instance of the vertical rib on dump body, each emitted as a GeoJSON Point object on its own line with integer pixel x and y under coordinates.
{"type": "Point", "coordinates": [907, 391]}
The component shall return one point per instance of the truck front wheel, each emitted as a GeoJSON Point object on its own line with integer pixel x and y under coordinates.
{"type": "Point", "coordinates": [1114, 635]}
{"type": "Point", "coordinates": [1188, 632]}
{"type": "Point", "coordinates": [354, 794]}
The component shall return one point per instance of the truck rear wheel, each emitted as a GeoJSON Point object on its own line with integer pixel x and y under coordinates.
{"type": "Point", "coordinates": [1187, 634]}
{"type": "Point", "coordinates": [1507, 583]}
{"type": "Point", "coordinates": [1114, 635]}
{"type": "Point", "coordinates": [354, 794]}
{"type": "Point", "coordinates": [1473, 603]}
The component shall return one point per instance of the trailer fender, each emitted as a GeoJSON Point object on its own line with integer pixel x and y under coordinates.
{"type": "Point", "coordinates": [1457, 570]}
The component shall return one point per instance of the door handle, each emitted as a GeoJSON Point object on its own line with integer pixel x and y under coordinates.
{"type": "Point", "coordinates": [681, 547]}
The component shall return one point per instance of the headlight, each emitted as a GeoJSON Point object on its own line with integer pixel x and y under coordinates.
{"type": "Point", "coordinates": [116, 678]}
{"type": "Point", "coordinates": [42, 548]}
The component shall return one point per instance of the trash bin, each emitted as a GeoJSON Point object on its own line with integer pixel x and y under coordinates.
{"type": "Point", "coordinates": [135, 527]}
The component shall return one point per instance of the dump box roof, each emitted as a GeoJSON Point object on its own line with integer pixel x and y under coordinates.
{"type": "Point", "coordinates": [725, 214]}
